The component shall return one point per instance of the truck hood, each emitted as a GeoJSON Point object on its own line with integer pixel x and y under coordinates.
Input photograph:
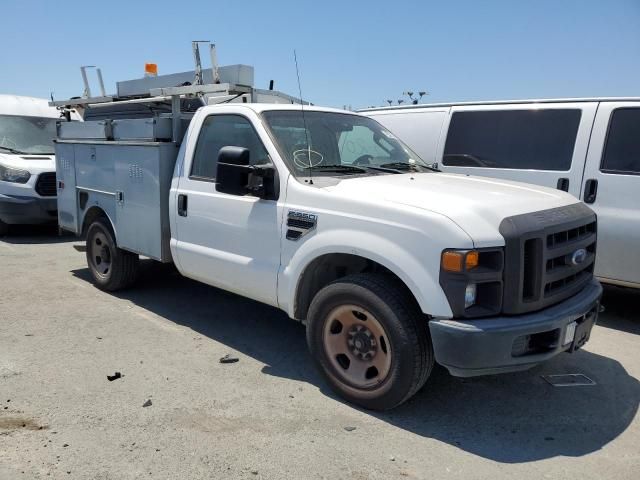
{"type": "Point", "coordinates": [477, 204]}
{"type": "Point", "coordinates": [33, 163]}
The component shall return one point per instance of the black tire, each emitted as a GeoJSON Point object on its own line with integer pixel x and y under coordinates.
{"type": "Point", "coordinates": [4, 228]}
{"type": "Point", "coordinates": [120, 270]}
{"type": "Point", "coordinates": [411, 352]}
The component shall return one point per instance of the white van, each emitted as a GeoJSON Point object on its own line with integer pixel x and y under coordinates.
{"type": "Point", "coordinates": [587, 147]}
{"type": "Point", "coordinates": [27, 163]}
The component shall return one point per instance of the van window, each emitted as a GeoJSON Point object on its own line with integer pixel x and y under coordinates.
{"type": "Point", "coordinates": [622, 150]}
{"type": "Point", "coordinates": [518, 139]}
{"type": "Point", "coordinates": [224, 131]}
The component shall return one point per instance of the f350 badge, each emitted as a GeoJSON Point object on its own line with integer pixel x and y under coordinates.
{"type": "Point", "coordinates": [299, 224]}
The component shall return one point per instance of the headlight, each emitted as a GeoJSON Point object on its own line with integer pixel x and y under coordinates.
{"type": "Point", "coordinates": [472, 281]}
{"type": "Point", "coordinates": [14, 175]}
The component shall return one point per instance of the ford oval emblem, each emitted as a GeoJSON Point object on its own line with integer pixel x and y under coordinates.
{"type": "Point", "coordinates": [579, 256]}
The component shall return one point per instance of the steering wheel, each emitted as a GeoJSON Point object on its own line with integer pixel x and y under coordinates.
{"type": "Point", "coordinates": [363, 159]}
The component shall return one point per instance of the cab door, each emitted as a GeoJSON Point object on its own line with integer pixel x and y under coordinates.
{"type": "Point", "coordinates": [544, 143]}
{"type": "Point", "coordinates": [228, 241]}
{"type": "Point", "coordinates": [611, 187]}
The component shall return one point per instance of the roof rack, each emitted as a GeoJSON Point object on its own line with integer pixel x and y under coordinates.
{"type": "Point", "coordinates": [179, 94]}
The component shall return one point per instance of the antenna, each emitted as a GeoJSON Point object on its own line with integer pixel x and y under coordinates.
{"type": "Point", "coordinates": [304, 121]}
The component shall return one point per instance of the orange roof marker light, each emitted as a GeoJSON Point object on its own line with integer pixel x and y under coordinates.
{"type": "Point", "coordinates": [150, 69]}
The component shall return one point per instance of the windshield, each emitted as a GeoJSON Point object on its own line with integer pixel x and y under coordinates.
{"type": "Point", "coordinates": [27, 135]}
{"type": "Point", "coordinates": [339, 144]}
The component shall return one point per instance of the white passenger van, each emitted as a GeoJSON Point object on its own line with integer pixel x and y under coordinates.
{"type": "Point", "coordinates": [587, 147]}
{"type": "Point", "coordinates": [27, 162]}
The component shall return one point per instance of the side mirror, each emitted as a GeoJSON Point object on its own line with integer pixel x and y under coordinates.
{"type": "Point", "coordinates": [233, 170]}
{"type": "Point", "coordinates": [235, 175]}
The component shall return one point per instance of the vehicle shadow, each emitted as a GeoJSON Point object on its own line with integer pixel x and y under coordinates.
{"type": "Point", "coordinates": [36, 234]}
{"type": "Point", "coordinates": [620, 309]}
{"type": "Point", "coordinates": [510, 418]}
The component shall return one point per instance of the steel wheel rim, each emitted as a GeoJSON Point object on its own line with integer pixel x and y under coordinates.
{"type": "Point", "coordinates": [100, 254]}
{"type": "Point", "coordinates": [357, 346]}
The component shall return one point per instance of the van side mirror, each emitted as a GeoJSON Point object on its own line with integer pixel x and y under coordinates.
{"type": "Point", "coordinates": [236, 176]}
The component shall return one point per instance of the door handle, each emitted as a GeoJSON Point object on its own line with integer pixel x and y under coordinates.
{"type": "Point", "coordinates": [590, 190]}
{"type": "Point", "coordinates": [182, 205]}
{"type": "Point", "coordinates": [563, 184]}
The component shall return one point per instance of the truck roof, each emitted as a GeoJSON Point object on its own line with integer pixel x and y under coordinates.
{"type": "Point", "coordinates": [26, 106]}
{"type": "Point", "coordinates": [263, 107]}
{"type": "Point", "coordinates": [503, 102]}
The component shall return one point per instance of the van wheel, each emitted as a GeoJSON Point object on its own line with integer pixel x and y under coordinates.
{"type": "Point", "coordinates": [4, 228]}
{"type": "Point", "coordinates": [111, 267]}
{"type": "Point", "coordinates": [370, 340]}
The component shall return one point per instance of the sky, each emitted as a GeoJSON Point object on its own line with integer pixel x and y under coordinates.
{"type": "Point", "coordinates": [350, 53]}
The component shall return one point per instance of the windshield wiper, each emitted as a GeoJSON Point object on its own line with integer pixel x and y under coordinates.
{"type": "Point", "coordinates": [411, 167]}
{"type": "Point", "coordinates": [13, 150]}
{"type": "Point", "coordinates": [382, 169]}
{"type": "Point", "coordinates": [336, 168]}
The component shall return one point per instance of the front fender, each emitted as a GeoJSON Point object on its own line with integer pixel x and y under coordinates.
{"type": "Point", "coordinates": [419, 273]}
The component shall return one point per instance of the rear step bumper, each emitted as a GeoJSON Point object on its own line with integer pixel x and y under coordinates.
{"type": "Point", "coordinates": [502, 344]}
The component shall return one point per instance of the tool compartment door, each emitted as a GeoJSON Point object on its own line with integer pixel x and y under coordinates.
{"type": "Point", "coordinates": [137, 197]}
{"type": "Point", "coordinates": [66, 187]}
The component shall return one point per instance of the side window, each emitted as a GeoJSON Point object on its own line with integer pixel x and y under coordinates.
{"type": "Point", "coordinates": [622, 149]}
{"type": "Point", "coordinates": [519, 139]}
{"type": "Point", "coordinates": [360, 141]}
{"type": "Point", "coordinates": [223, 131]}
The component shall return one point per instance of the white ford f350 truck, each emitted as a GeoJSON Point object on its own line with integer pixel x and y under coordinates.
{"type": "Point", "coordinates": [326, 215]}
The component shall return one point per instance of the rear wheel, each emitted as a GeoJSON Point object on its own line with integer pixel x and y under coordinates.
{"type": "Point", "coordinates": [4, 228]}
{"type": "Point", "coordinates": [370, 340]}
{"type": "Point", "coordinates": [111, 267]}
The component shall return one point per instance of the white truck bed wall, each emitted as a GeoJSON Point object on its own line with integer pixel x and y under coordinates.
{"type": "Point", "coordinates": [128, 180]}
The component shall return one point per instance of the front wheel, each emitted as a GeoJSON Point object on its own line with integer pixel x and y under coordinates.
{"type": "Point", "coordinates": [370, 340]}
{"type": "Point", "coordinates": [111, 267]}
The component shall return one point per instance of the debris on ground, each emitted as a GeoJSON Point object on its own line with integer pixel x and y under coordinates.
{"type": "Point", "coordinates": [228, 358]}
{"type": "Point", "coordinates": [349, 429]}
{"type": "Point", "coordinates": [148, 403]}
{"type": "Point", "coordinates": [115, 376]}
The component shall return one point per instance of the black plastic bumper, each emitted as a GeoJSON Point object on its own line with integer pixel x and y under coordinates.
{"type": "Point", "coordinates": [486, 346]}
{"type": "Point", "coordinates": [28, 210]}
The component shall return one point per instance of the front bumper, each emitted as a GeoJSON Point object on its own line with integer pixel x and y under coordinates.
{"type": "Point", "coordinates": [486, 346]}
{"type": "Point", "coordinates": [16, 209]}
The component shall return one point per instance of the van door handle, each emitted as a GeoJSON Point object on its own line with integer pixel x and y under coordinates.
{"type": "Point", "coordinates": [590, 190]}
{"type": "Point", "coordinates": [563, 184]}
{"type": "Point", "coordinates": [182, 205]}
